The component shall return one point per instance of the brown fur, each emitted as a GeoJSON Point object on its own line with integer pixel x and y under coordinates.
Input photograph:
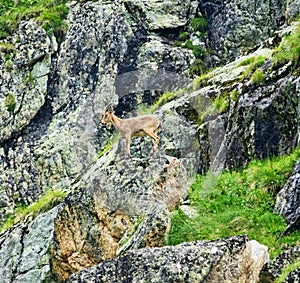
{"type": "Point", "coordinates": [133, 127]}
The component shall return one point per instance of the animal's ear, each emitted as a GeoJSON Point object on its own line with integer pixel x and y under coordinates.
{"type": "Point", "coordinates": [109, 108]}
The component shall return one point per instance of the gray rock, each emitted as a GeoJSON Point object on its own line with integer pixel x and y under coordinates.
{"type": "Point", "coordinates": [232, 260]}
{"type": "Point", "coordinates": [293, 277]}
{"type": "Point", "coordinates": [60, 93]}
{"type": "Point", "coordinates": [274, 268]}
{"type": "Point", "coordinates": [235, 26]}
{"type": "Point", "coordinates": [24, 249]}
{"type": "Point", "coordinates": [155, 15]}
{"type": "Point", "coordinates": [292, 10]}
{"type": "Point", "coordinates": [288, 201]}
{"type": "Point", "coordinates": [118, 205]}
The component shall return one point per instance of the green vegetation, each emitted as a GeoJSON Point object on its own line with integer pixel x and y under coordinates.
{"type": "Point", "coordinates": [253, 64]}
{"type": "Point", "coordinates": [234, 95]}
{"type": "Point", "coordinates": [238, 203]}
{"type": "Point", "coordinates": [184, 36]}
{"type": "Point", "coordinates": [287, 270]}
{"type": "Point", "coordinates": [199, 24]}
{"type": "Point", "coordinates": [10, 102]}
{"type": "Point", "coordinates": [201, 81]}
{"type": "Point", "coordinates": [109, 144]}
{"type": "Point", "coordinates": [221, 103]}
{"type": "Point", "coordinates": [161, 100]}
{"type": "Point", "coordinates": [258, 77]}
{"type": "Point", "coordinates": [289, 50]}
{"type": "Point", "coordinates": [50, 199]}
{"type": "Point", "coordinates": [49, 13]}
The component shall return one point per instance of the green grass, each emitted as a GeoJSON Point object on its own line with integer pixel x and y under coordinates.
{"type": "Point", "coordinates": [10, 102]}
{"type": "Point", "coordinates": [109, 144]}
{"type": "Point", "coordinates": [240, 203]}
{"type": "Point", "coordinates": [289, 50]}
{"type": "Point", "coordinates": [253, 64]}
{"type": "Point", "coordinates": [258, 77]}
{"type": "Point", "coordinates": [50, 14]}
{"type": "Point", "coordinates": [287, 270]}
{"type": "Point", "coordinates": [45, 203]}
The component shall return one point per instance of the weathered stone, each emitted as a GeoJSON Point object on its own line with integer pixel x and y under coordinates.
{"type": "Point", "coordinates": [274, 268]}
{"type": "Point", "coordinates": [288, 201]}
{"type": "Point", "coordinates": [232, 260]}
{"type": "Point", "coordinates": [235, 26]}
{"type": "Point", "coordinates": [24, 249]}
{"type": "Point", "coordinates": [156, 15]}
{"type": "Point", "coordinates": [292, 10]}
{"type": "Point", "coordinates": [53, 135]}
{"type": "Point", "coordinates": [118, 205]}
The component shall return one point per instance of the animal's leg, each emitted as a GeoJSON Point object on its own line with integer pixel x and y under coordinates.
{"type": "Point", "coordinates": [155, 138]}
{"type": "Point", "coordinates": [127, 149]}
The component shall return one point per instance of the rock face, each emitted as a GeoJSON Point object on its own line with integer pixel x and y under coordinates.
{"type": "Point", "coordinates": [24, 249]}
{"type": "Point", "coordinates": [229, 260]}
{"type": "Point", "coordinates": [53, 98]}
{"type": "Point", "coordinates": [235, 26]}
{"type": "Point", "coordinates": [118, 205]}
{"type": "Point", "coordinates": [288, 201]}
{"type": "Point", "coordinates": [273, 269]}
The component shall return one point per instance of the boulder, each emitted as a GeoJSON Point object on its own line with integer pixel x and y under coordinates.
{"type": "Point", "coordinates": [288, 200]}
{"type": "Point", "coordinates": [118, 205]}
{"type": "Point", "coordinates": [24, 249]}
{"type": "Point", "coordinates": [237, 26]}
{"type": "Point", "coordinates": [274, 268]}
{"type": "Point", "coordinates": [234, 259]}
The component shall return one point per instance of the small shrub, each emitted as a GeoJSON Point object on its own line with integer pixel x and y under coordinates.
{"type": "Point", "coordinates": [184, 36]}
{"type": "Point", "coordinates": [199, 24]}
{"type": "Point", "coordinates": [289, 50]}
{"type": "Point", "coordinates": [10, 102]}
{"type": "Point", "coordinates": [258, 77]}
{"type": "Point", "coordinates": [198, 68]}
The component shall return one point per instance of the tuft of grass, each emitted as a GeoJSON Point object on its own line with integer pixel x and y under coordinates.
{"type": "Point", "coordinates": [199, 24]}
{"type": "Point", "coordinates": [183, 36]}
{"type": "Point", "coordinates": [289, 50]}
{"type": "Point", "coordinates": [239, 203]}
{"type": "Point", "coordinates": [253, 64]}
{"type": "Point", "coordinates": [109, 144]}
{"type": "Point", "coordinates": [221, 103]}
{"type": "Point", "coordinates": [202, 80]}
{"type": "Point", "coordinates": [10, 102]}
{"type": "Point", "coordinates": [258, 77]}
{"type": "Point", "coordinates": [287, 270]}
{"type": "Point", "coordinates": [47, 201]}
{"type": "Point", "coordinates": [234, 95]}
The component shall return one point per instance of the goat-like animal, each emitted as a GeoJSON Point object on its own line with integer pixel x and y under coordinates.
{"type": "Point", "coordinates": [133, 127]}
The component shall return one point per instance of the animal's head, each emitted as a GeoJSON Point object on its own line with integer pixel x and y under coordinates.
{"type": "Point", "coordinates": [107, 115]}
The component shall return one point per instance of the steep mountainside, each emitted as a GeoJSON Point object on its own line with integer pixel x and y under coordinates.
{"type": "Point", "coordinates": [139, 56]}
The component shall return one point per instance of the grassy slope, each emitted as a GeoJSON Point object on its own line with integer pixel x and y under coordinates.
{"type": "Point", "coordinates": [49, 13]}
{"type": "Point", "coordinates": [241, 203]}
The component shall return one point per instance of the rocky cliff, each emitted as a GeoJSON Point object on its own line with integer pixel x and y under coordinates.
{"type": "Point", "coordinates": [53, 93]}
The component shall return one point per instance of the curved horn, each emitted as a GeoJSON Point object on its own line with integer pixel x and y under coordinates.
{"type": "Point", "coordinates": [109, 107]}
